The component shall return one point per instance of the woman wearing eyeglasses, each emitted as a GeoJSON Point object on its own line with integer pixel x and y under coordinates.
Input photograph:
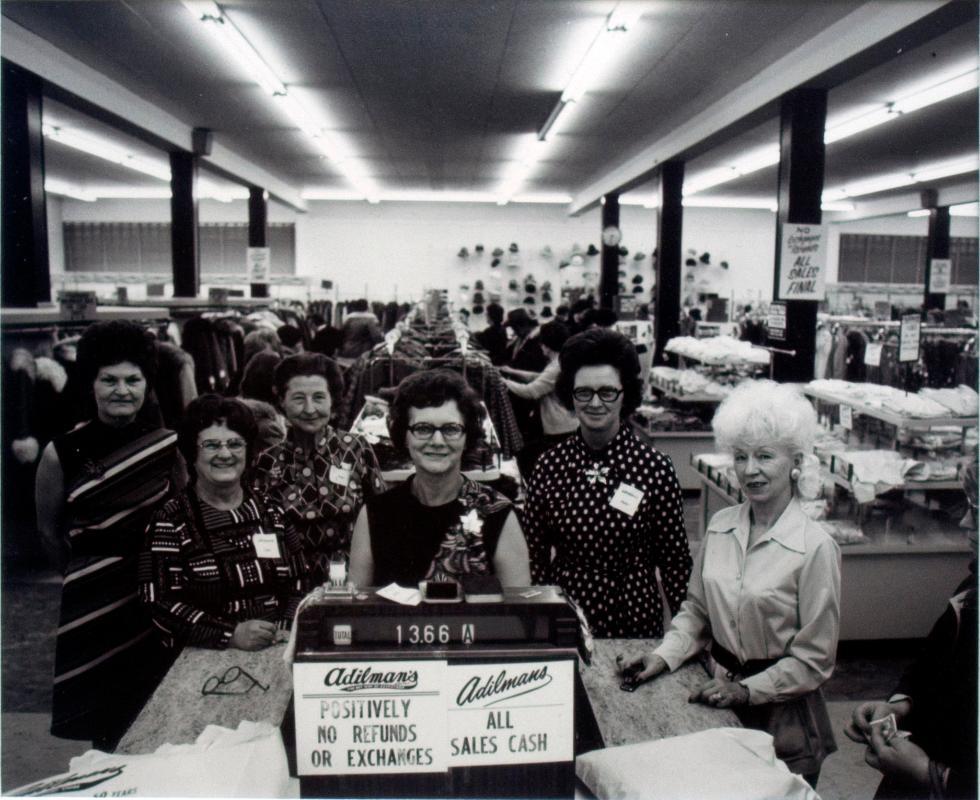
{"type": "Point", "coordinates": [221, 568]}
{"type": "Point", "coordinates": [319, 475]}
{"type": "Point", "coordinates": [438, 525]}
{"type": "Point", "coordinates": [604, 511]}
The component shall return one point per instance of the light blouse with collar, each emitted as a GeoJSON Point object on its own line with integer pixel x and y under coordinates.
{"type": "Point", "coordinates": [778, 599]}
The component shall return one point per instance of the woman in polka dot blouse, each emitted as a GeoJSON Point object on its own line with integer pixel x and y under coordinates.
{"type": "Point", "coordinates": [604, 510]}
{"type": "Point", "coordinates": [318, 475]}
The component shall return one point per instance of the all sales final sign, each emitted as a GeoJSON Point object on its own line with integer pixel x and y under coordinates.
{"type": "Point", "coordinates": [802, 272]}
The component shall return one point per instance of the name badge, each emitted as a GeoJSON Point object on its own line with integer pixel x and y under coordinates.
{"type": "Point", "coordinates": [626, 499]}
{"type": "Point", "coordinates": [340, 475]}
{"type": "Point", "coordinates": [266, 545]}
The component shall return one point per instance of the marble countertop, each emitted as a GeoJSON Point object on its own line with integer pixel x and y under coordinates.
{"type": "Point", "coordinates": [657, 709]}
{"type": "Point", "coordinates": [180, 710]}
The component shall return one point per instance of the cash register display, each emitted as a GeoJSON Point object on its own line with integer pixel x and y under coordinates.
{"type": "Point", "coordinates": [427, 630]}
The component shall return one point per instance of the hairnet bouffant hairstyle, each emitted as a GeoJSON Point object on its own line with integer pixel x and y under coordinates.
{"type": "Point", "coordinates": [764, 412]}
{"type": "Point", "coordinates": [430, 389]}
{"type": "Point", "coordinates": [105, 344]}
{"type": "Point", "coordinates": [211, 409]}
{"type": "Point", "coordinates": [601, 347]}
{"type": "Point", "coordinates": [309, 364]}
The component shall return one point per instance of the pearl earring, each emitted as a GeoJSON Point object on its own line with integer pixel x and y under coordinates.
{"type": "Point", "coordinates": [794, 473]}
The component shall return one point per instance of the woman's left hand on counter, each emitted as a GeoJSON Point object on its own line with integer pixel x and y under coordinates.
{"type": "Point", "coordinates": [898, 757]}
{"type": "Point", "coordinates": [720, 694]}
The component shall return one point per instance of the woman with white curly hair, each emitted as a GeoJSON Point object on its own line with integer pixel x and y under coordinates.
{"type": "Point", "coordinates": [764, 597]}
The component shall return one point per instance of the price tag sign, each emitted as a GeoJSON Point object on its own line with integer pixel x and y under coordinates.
{"type": "Point", "coordinates": [257, 264]}
{"type": "Point", "coordinates": [909, 336]}
{"type": "Point", "coordinates": [369, 717]}
{"type": "Point", "coordinates": [846, 418]}
{"type": "Point", "coordinates": [872, 355]}
{"type": "Point", "coordinates": [517, 713]}
{"type": "Point", "coordinates": [940, 272]}
{"type": "Point", "coordinates": [776, 321]}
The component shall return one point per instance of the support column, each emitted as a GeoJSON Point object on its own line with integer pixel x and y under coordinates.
{"type": "Point", "coordinates": [937, 246]}
{"type": "Point", "coordinates": [183, 225]}
{"type": "Point", "coordinates": [26, 272]}
{"type": "Point", "coordinates": [803, 116]}
{"type": "Point", "coordinates": [258, 218]}
{"type": "Point", "coordinates": [670, 218]}
{"type": "Point", "coordinates": [609, 278]}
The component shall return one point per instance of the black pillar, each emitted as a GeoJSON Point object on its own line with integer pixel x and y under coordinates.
{"type": "Point", "coordinates": [609, 278]}
{"type": "Point", "coordinates": [937, 246]}
{"type": "Point", "coordinates": [670, 218]}
{"type": "Point", "coordinates": [26, 273]}
{"type": "Point", "coordinates": [258, 217]}
{"type": "Point", "coordinates": [803, 116]}
{"type": "Point", "coordinates": [183, 224]}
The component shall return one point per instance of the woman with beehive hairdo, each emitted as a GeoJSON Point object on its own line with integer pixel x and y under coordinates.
{"type": "Point", "coordinates": [96, 488]}
{"type": "Point", "coordinates": [764, 598]}
{"type": "Point", "coordinates": [604, 511]}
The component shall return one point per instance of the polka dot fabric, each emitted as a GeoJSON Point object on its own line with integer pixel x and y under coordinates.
{"type": "Point", "coordinates": [602, 557]}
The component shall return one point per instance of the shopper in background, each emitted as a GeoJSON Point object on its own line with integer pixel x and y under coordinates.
{"type": "Point", "coordinates": [361, 330]}
{"type": "Point", "coordinates": [608, 505]}
{"type": "Point", "coordinates": [557, 421]}
{"type": "Point", "coordinates": [318, 475]}
{"type": "Point", "coordinates": [258, 378]}
{"type": "Point", "coordinates": [220, 568]}
{"type": "Point", "coordinates": [764, 598]}
{"type": "Point", "coordinates": [935, 701]}
{"type": "Point", "coordinates": [578, 311]}
{"type": "Point", "coordinates": [271, 424]}
{"type": "Point", "coordinates": [97, 486]}
{"type": "Point", "coordinates": [493, 338]}
{"type": "Point", "coordinates": [439, 524]}
{"type": "Point", "coordinates": [291, 338]}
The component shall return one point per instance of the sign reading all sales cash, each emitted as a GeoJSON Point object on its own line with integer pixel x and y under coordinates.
{"type": "Point", "coordinates": [801, 265]}
{"type": "Point", "coordinates": [511, 713]}
{"type": "Point", "coordinates": [257, 264]}
{"type": "Point", "coordinates": [369, 717]}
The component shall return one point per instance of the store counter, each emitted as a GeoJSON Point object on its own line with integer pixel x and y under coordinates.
{"type": "Point", "coordinates": [199, 691]}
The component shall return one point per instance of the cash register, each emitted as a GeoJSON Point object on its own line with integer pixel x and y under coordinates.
{"type": "Point", "coordinates": [449, 697]}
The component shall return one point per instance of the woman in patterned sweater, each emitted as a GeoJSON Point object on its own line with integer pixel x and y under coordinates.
{"type": "Point", "coordinates": [220, 568]}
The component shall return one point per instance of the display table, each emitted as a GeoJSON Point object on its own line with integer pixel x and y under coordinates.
{"type": "Point", "coordinates": [657, 709]}
{"type": "Point", "coordinates": [178, 711]}
{"type": "Point", "coordinates": [893, 586]}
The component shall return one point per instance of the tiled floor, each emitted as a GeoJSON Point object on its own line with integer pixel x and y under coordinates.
{"type": "Point", "coordinates": [29, 617]}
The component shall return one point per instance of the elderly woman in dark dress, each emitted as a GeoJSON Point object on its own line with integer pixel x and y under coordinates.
{"type": "Point", "coordinates": [319, 476]}
{"type": "Point", "coordinates": [97, 486]}
{"type": "Point", "coordinates": [604, 510]}
{"type": "Point", "coordinates": [439, 524]}
{"type": "Point", "coordinates": [220, 568]}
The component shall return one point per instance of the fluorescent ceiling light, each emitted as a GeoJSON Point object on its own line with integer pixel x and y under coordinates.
{"type": "Point", "coordinates": [965, 210]}
{"type": "Point", "coordinates": [606, 47]}
{"type": "Point", "coordinates": [919, 212]}
{"type": "Point", "coordinates": [251, 64]}
{"type": "Point", "coordinates": [910, 100]}
{"type": "Point", "coordinates": [946, 169]}
{"type": "Point", "coordinates": [235, 46]}
{"type": "Point", "coordinates": [100, 148]}
{"type": "Point", "coordinates": [65, 189]}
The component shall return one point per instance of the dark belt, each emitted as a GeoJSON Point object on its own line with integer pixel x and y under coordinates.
{"type": "Point", "coordinates": [736, 668]}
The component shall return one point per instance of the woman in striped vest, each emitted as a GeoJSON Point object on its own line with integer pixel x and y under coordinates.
{"type": "Point", "coordinates": [97, 487]}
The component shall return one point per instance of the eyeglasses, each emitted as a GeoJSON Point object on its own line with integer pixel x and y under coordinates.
{"type": "Point", "coordinates": [607, 394]}
{"type": "Point", "coordinates": [235, 680]}
{"type": "Point", "coordinates": [214, 445]}
{"type": "Point", "coordinates": [450, 431]}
